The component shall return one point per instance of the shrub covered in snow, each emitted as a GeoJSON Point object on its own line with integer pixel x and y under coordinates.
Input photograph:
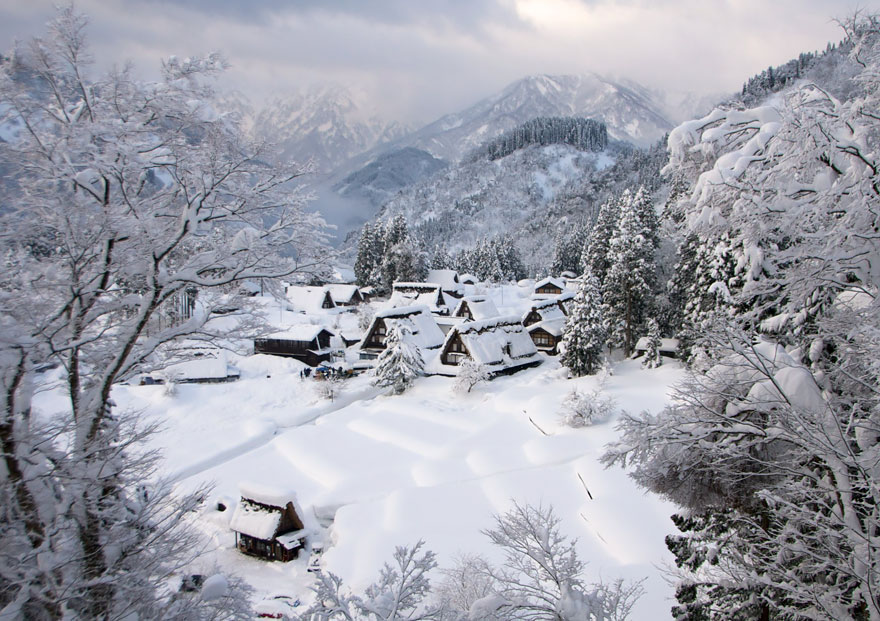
{"type": "Point", "coordinates": [581, 409]}
{"type": "Point", "coordinates": [470, 373]}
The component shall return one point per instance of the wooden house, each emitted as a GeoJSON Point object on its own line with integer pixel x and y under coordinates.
{"type": "Point", "coordinates": [305, 342]}
{"type": "Point", "coordinates": [267, 528]}
{"type": "Point", "coordinates": [345, 295]}
{"type": "Point", "coordinates": [448, 280]}
{"type": "Point", "coordinates": [546, 335]}
{"type": "Point", "coordinates": [309, 300]}
{"type": "Point", "coordinates": [427, 335]}
{"type": "Point", "coordinates": [543, 310]}
{"type": "Point", "coordinates": [420, 294]}
{"type": "Point", "coordinates": [549, 286]}
{"type": "Point", "coordinates": [500, 344]}
{"type": "Point", "coordinates": [476, 308]}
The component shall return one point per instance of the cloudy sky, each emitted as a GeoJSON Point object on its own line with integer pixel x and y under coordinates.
{"type": "Point", "coordinates": [419, 59]}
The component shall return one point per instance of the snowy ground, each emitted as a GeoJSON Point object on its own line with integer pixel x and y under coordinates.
{"type": "Point", "coordinates": [431, 464]}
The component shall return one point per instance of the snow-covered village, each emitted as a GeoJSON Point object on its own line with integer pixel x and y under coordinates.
{"type": "Point", "coordinates": [296, 330]}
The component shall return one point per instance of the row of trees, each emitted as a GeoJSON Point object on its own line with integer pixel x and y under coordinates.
{"type": "Point", "coordinates": [771, 448]}
{"type": "Point", "coordinates": [120, 196]}
{"type": "Point", "coordinates": [492, 259]}
{"type": "Point", "coordinates": [387, 254]}
{"type": "Point", "coordinates": [584, 134]}
{"type": "Point", "coordinates": [616, 293]}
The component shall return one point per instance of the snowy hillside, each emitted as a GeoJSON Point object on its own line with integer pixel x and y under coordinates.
{"type": "Point", "coordinates": [327, 124]}
{"type": "Point", "coordinates": [389, 173]}
{"type": "Point", "coordinates": [432, 464]}
{"type": "Point", "coordinates": [630, 111]}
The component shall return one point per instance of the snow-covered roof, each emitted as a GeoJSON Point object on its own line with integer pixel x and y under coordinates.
{"type": "Point", "coordinates": [426, 333]}
{"type": "Point", "coordinates": [419, 293]}
{"type": "Point", "coordinates": [447, 279]}
{"type": "Point", "coordinates": [481, 307]}
{"type": "Point", "coordinates": [299, 332]}
{"type": "Point", "coordinates": [550, 281]}
{"type": "Point", "coordinates": [666, 345]}
{"type": "Point", "coordinates": [500, 343]}
{"type": "Point", "coordinates": [342, 294]}
{"type": "Point", "coordinates": [307, 299]}
{"type": "Point", "coordinates": [551, 326]}
{"type": "Point", "coordinates": [468, 278]}
{"type": "Point", "coordinates": [256, 519]}
{"type": "Point", "coordinates": [548, 310]}
{"type": "Point", "coordinates": [208, 366]}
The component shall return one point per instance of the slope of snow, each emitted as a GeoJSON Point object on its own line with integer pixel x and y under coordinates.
{"type": "Point", "coordinates": [431, 464]}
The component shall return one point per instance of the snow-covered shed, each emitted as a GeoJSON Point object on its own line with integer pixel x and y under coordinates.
{"type": "Point", "coordinates": [206, 367]}
{"type": "Point", "coordinates": [468, 279]}
{"type": "Point", "coordinates": [476, 308]}
{"type": "Point", "coordinates": [309, 299]}
{"type": "Point", "coordinates": [268, 526]}
{"type": "Point", "coordinates": [345, 295]}
{"type": "Point", "coordinates": [549, 286]}
{"type": "Point", "coordinates": [448, 280]}
{"type": "Point", "coordinates": [426, 334]}
{"type": "Point", "coordinates": [420, 294]}
{"type": "Point", "coordinates": [306, 342]}
{"type": "Point", "coordinates": [501, 344]}
{"type": "Point", "coordinates": [543, 310]}
{"type": "Point", "coordinates": [668, 347]}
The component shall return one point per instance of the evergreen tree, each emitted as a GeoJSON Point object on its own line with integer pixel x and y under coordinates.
{"type": "Point", "coordinates": [401, 362]}
{"type": "Point", "coordinates": [584, 336]}
{"type": "Point", "coordinates": [569, 248]}
{"type": "Point", "coordinates": [402, 261]}
{"type": "Point", "coordinates": [652, 349]}
{"type": "Point", "coordinates": [595, 253]}
{"type": "Point", "coordinates": [369, 255]}
{"type": "Point", "coordinates": [631, 273]}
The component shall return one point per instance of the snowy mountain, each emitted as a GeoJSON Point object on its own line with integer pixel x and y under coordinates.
{"type": "Point", "coordinates": [387, 174]}
{"type": "Point", "coordinates": [631, 112]}
{"type": "Point", "coordinates": [328, 124]}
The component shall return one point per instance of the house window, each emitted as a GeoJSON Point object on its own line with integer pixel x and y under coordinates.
{"type": "Point", "coordinates": [542, 339]}
{"type": "Point", "coordinates": [456, 346]}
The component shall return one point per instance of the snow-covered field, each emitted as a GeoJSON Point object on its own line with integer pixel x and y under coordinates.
{"type": "Point", "coordinates": [432, 464]}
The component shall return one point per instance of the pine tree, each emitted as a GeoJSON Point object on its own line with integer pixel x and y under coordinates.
{"type": "Point", "coordinates": [584, 336]}
{"type": "Point", "coordinates": [595, 253]}
{"type": "Point", "coordinates": [369, 255]}
{"type": "Point", "coordinates": [400, 363]}
{"type": "Point", "coordinates": [652, 348]}
{"type": "Point", "coordinates": [631, 273]}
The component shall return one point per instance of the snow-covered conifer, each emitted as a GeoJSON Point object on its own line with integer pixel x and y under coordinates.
{"type": "Point", "coordinates": [627, 289]}
{"type": "Point", "coordinates": [652, 346]}
{"type": "Point", "coordinates": [584, 335]}
{"type": "Point", "coordinates": [400, 363]}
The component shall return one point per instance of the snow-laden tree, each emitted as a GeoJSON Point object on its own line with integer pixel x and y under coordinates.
{"type": "Point", "coordinates": [594, 256]}
{"type": "Point", "coordinates": [779, 480]}
{"type": "Point", "coordinates": [370, 250]}
{"type": "Point", "coordinates": [580, 409]}
{"type": "Point", "coordinates": [584, 336]}
{"type": "Point", "coordinates": [471, 373]}
{"type": "Point", "coordinates": [542, 576]}
{"type": "Point", "coordinates": [397, 595]}
{"type": "Point", "coordinates": [652, 358]}
{"type": "Point", "coordinates": [120, 195]}
{"type": "Point", "coordinates": [629, 281]}
{"type": "Point", "coordinates": [400, 363]}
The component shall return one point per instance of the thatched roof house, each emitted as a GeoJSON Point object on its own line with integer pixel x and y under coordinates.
{"type": "Point", "coordinates": [306, 342]}
{"type": "Point", "coordinates": [426, 334]}
{"type": "Point", "coordinates": [267, 526]}
{"type": "Point", "coordinates": [476, 308]}
{"type": "Point", "coordinates": [501, 344]}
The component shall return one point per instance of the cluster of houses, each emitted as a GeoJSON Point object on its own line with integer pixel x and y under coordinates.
{"type": "Point", "coordinates": [448, 320]}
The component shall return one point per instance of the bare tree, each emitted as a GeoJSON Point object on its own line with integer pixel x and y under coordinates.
{"type": "Point", "coordinates": [398, 594]}
{"type": "Point", "coordinates": [122, 196]}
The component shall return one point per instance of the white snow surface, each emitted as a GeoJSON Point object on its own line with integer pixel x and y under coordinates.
{"type": "Point", "coordinates": [430, 464]}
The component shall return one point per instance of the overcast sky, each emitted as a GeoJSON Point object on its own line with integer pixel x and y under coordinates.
{"type": "Point", "coordinates": [419, 59]}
